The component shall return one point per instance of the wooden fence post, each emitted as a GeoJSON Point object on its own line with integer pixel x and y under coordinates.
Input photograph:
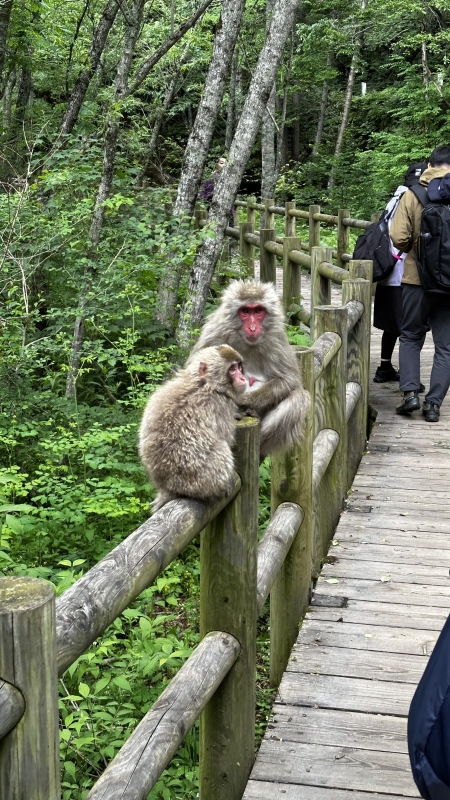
{"type": "Point", "coordinates": [314, 228]}
{"type": "Point", "coordinates": [358, 364]}
{"type": "Point", "coordinates": [267, 261]}
{"type": "Point", "coordinates": [360, 269]}
{"type": "Point", "coordinates": [251, 212]}
{"type": "Point", "coordinates": [289, 220]}
{"type": "Point", "coordinates": [228, 584]}
{"type": "Point", "coordinates": [247, 250]}
{"type": "Point", "coordinates": [269, 216]}
{"type": "Point", "coordinates": [320, 286]}
{"type": "Point", "coordinates": [291, 275]}
{"type": "Point", "coordinates": [29, 753]}
{"type": "Point", "coordinates": [330, 413]}
{"type": "Point", "coordinates": [343, 241]}
{"type": "Point", "coordinates": [292, 481]}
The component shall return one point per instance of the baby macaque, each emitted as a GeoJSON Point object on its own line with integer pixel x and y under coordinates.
{"type": "Point", "coordinates": [188, 428]}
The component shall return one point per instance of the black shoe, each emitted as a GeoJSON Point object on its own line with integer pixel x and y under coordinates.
{"type": "Point", "coordinates": [430, 411]}
{"type": "Point", "coordinates": [409, 403]}
{"type": "Point", "coordinates": [389, 374]}
{"type": "Point", "coordinates": [421, 388]}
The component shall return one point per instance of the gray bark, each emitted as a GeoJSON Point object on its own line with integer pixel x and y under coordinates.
{"type": "Point", "coordinates": [5, 14]}
{"type": "Point", "coordinates": [228, 184]}
{"type": "Point", "coordinates": [268, 178]}
{"type": "Point", "coordinates": [322, 114]}
{"type": "Point", "coordinates": [345, 113]}
{"type": "Point", "coordinates": [82, 82]}
{"type": "Point", "coordinates": [134, 16]}
{"type": "Point", "coordinates": [198, 144]}
{"type": "Point", "coordinates": [231, 108]}
{"type": "Point", "coordinates": [7, 98]}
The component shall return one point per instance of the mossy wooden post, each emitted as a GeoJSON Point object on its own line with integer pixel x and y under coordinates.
{"type": "Point", "coordinates": [320, 286]}
{"type": "Point", "coordinates": [228, 585]}
{"type": "Point", "coordinates": [29, 754]}
{"type": "Point", "coordinates": [360, 269]}
{"type": "Point", "coordinates": [292, 481]}
{"type": "Point", "coordinates": [269, 216]}
{"type": "Point", "coordinates": [343, 242]}
{"type": "Point", "coordinates": [291, 275]}
{"type": "Point", "coordinates": [314, 228]}
{"type": "Point", "coordinates": [251, 212]}
{"type": "Point", "coordinates": [247, 250]}
{"type": "Point", "coordinates": [289, 220]}
{"type": "Point", "coordinates": [358, 363]}
{"type": "Point", "coordinates": [267, 261]}
{"type": "Point", "coordinates": [330, 408]}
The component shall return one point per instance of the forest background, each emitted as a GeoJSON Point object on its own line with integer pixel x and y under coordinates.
{"type": "Point", "coordinates": [111, 116]}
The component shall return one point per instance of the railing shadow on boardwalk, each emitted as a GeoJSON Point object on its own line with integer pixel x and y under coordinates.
{"type": "Point", "coordinates": [41, 638]}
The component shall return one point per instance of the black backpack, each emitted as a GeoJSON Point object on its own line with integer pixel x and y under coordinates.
{"type": "Point", "coordinates": [375, 245]}
{"type": "Point", "coordinates": [429, 724]}
{"type": "Point", "coordinates": [433, 256]}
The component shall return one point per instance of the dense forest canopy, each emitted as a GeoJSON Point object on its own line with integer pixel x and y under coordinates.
{"type": "Point", "coordinates": [112, 114]}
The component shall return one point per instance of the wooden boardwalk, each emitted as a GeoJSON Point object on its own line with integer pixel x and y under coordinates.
{"type": "Point", "coordinates": [338, 730]}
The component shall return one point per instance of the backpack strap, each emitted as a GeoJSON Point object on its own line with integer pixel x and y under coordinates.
{"type": "Point", "coordinates": [421, 193]}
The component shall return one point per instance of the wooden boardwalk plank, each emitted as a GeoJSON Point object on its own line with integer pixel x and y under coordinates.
{"type": "Point", "coordinates": [338, 729]}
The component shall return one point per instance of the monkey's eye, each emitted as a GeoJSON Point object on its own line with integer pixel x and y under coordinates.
{"type": "Point", "coordinates": [259, 310]}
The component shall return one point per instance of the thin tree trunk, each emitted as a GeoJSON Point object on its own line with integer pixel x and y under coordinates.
{"type": "Point", "coordinates": [5, 14]}
{"type": "Point", "coordinates": [345, 113]}
{"type": "Point", "coordinates": [84, 78]}
{"type": "Point", "coordinates": [134, 19]}
{"type": "Point", "coordinates": [161, 113]}
{"type": "Point", "coordinates": [281, 152]}
{"type": "Point", "coordinates": [425, 71]}
{"type": "Point", "coordinates": [296, 127]}
{"type": "Point", "coordinates": [268, 134]}
{"type": "Point", "coordinates": [231, 108]}
{"type": "Point", "coordinates": [7, 98]}
{"type": "Point", "coordinates": [228, 184]}
{"type": "Point", "coordinates": [322, 114]}
{"type": "Point", "coordinates": [198, 144]}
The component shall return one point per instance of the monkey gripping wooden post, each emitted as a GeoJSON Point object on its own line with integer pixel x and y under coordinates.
{"type": "Point", "coordinates": [29, 753]}
{"type": "Point", "coordinates": [330, 415]}
{"type": "Point", "coordinates": [292, 481]}
{"type": "Point", "coordinates": [228, 603]}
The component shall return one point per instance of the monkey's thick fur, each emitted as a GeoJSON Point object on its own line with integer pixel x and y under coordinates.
{"type": "Point", "coordinates": [278, 396]}
{"type": "Point", "coordinates": [188, 430]}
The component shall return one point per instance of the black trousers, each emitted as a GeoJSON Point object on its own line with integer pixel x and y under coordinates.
{"type": "Point", "coordinates": [423, 311]}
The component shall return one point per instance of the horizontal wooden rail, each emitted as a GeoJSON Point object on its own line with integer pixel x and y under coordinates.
{"type": "Point", "coordinates": [274, 545]}
{"type": "Point", "coordinates": [353, 392]}
{"type": "Point", "coordinates": [85, 610]}
{"type": "Point", "coordinates": [355, 311]}
{"type": "Point", "coordinates": [336, 274]}
{"type": "Point", "coordinates": [329, 219]}
{"type": "Point", "coordinates": [325, 348]}
{"type": "Point", "coordinates": [324, 448]}
{"type": "Point", "coordinates": [153, 743]}
{"type": "Point", "coordinates": [356, 223]}
{"type": "Point", "coordinates": [12, 707]}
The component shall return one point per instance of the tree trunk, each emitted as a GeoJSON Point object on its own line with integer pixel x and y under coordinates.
{"type": "Point", "coordinates": [198, 145]}
{"type": "Point", "coordinates": [322, 114]}
{"type": "Point", "coordinates": [240, 151]}
{"type": "Point", "coordinates": [296, 127]}
{"type": "Point", "coordinates": [268, 178]}
{"type": "Point", "coordinates": [134, 20]}
{"type": "Point", "coordinates": [425, 71]}
{"type": "Point", "coordinates": [281, 150]}
{"type": "Point", "coordinates": [5, 14]}
{"type": "Point", "coordinates": [84, 78]}
{"type": "Point", "coordinates": [161, 113]}
{"type": "Point", "coordinates": [345, 113]}
{"type": "Point", "coordinates": [7, 98]}
{"type": "Point", "coordinates": [231, 108]}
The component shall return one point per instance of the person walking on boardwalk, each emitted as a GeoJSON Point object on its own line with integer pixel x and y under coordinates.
{"type": "Point", "coordinates": [422, 308]}
{"type": "Point", "coordinates": [387, 310]}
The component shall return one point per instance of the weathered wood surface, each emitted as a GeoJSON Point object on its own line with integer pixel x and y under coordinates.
{"type": "Point", "coordinates": [12, 706]}
{"type": "Point", "coordinates": [144, 756]}
{"type": "Point", "coordinates": [85, 610]}
{"type": "Point", "coordinates": [338, 729]}
{"type": "Point", "coordinates": [274, 546]}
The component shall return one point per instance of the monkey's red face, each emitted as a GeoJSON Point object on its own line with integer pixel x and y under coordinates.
{"type": "Point", "coordinates": [237, 377]}
{"type": "Point", "coordinates": [252, 316]}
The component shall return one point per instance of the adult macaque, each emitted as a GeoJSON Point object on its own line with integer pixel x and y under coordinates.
{"type": "Point", "coordinates": [188, 428]}
{"type": "Point", "coordinates": [250, 318]}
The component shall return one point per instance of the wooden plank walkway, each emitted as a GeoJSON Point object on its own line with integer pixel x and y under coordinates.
{"type": "Point", "coordinates": [338, 730]}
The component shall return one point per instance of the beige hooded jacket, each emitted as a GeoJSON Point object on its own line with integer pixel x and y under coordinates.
{"type": "Point", "coordinates": [405, 227]}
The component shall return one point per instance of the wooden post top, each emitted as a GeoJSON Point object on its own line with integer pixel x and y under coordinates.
{"type": "Point", "coordinates": [24, 593]}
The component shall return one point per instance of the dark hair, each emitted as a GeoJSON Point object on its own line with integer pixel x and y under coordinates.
{"type": "Point", "coordinates": [440, 155]}
{"type": "Point", "coordinates": [413, 173]}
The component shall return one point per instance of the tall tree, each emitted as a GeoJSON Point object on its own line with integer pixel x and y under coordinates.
{"type": "Point", "coordinates": [228, 184]}
{"type": "Point", "coordinates": [5, 14]}
{"type": "Point", "coordinates": [268, 157]}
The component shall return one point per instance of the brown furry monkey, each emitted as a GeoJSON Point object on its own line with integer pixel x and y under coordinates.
{"type": "Point", "coordinates": [250, 319]}
{"type": "Point", "coordinates": [188, 428]}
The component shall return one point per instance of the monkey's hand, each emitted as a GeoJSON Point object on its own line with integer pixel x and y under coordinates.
{"type": "Point", "coordinates": [248, 412]}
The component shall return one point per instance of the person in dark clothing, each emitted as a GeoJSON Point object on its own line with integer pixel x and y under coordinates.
{"type": "Point", "coordinates": [387, 311]}
{"type": "Point", "coordinates": [422, 309]}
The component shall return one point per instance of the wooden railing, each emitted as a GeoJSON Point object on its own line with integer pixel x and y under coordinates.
{"type": "Point", "coordinates": [40, 638]}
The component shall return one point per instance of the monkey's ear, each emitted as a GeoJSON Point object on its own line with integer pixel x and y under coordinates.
{"type": "Point", "coordinates": [202, 368]}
